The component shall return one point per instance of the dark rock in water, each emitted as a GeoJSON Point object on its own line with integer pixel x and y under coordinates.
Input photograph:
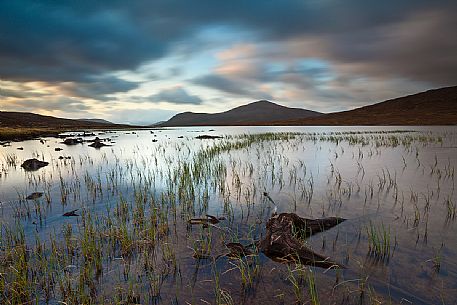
{"type": "Point", "coordinates": [70, 213]}
{"type": "Point", "coordinates": [33, 164]}
{"type": "Point", "coordinates": [34, 196]}
{"type": "Point", "coordinates": [58, 149]}
{"type": "Point", "coordinates": [205, 136]}
{"type": "Point", "coordinates": [154, 140]}
{"type": "Point", "coordinates": [72, 141]}
{"type": "Point", "coordinates": [97, 143]}
{"type": "Point", "coordinates": [20, 148]}
{"type": "Point", "coordinates": [180, 137]}
{"type": "Point", "coordinates": [281, 244]}
{"type": "Point", "coordinates": [86, 134]}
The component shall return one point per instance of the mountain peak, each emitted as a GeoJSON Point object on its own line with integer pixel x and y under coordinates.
{"type": "Point", "coordinates": [258, 112]}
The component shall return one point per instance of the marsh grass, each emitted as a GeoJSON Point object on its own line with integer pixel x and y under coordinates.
{"type": "Point", "coordinates": [132, 242]}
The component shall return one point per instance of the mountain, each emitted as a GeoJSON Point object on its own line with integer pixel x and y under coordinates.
{"type": "Point", "coordinates": [432, 107]}
{"type": "Point", "coordinates": [102, 121]}
{"type": "Point", "coordinates": [251, 114]}
{"type": "Point", "coordinates": [31, 120]}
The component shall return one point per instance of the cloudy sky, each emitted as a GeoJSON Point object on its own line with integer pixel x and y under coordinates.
{"type": "Point", "coordinates": [143, 61]}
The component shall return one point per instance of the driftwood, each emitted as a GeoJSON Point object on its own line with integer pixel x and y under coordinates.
{"type": "Point", "coordinates": [206, 221]}
{"type": "Point", "coordinates": [237, 250]}
{"type": "Point", "coordinates": [283, 239]}
{"type": "Point", "coordinates": [70, 213]}
{"type": "Point", "coordinates": [34, 196]}
{"type": "Point", "coordinates": [207, 137]}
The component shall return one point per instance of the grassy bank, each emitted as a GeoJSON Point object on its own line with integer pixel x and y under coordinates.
{"type": "Point", "coordinates": [25, 133]}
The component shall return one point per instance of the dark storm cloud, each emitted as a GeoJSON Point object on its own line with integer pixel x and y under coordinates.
{"type": "Point", "coordinates": [229, 85]}
{"type": "Point", "coordinates": [98, 88]}
{"type": "Point", "coordinates": [176, 96]}
{"type": "Point", "coordinates": [75, 41]}
{"type": "Point", "coordinates": [61, 103]}
{"type": "Point", "coordinates": [221, 83]}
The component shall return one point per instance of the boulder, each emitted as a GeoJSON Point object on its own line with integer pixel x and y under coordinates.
{"type": "Point", "coordinates": [33, 164]}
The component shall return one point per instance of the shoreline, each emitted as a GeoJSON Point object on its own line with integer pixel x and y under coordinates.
{"type": "Point", "coordinates": [17, 134]}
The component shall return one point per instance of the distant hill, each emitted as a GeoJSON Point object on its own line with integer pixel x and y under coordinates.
{"type": "Point", "coordinates": [432, 107]}
{"type": "Point", "coordinates": [102, 121]}
{"type": "Point", "coordinates": [251, 114]}
{"type": "Point", "coordinates": [31, 120]}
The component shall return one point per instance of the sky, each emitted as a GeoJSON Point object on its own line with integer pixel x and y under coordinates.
{"type": "Point", "coordinates": [140, 62]}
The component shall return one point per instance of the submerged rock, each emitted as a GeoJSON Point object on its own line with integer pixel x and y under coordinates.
{"type": "Point", "coordinates": [33, 164]}
{"type": "Point", "coordinates": [34, 196]}
{"type": "Point", "coordinates": [72, 141]}
{"type": "Point", "coordinates": [58, 149]}
{"type": "Point", "coordinates": [97, 143]}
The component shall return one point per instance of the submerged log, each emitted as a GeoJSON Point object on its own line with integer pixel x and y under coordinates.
{"type": "Point", "coordinates": [207, 137]}
{"type": "Point", "coordinates": [205, 221]}
{"type": "Point", "coordinates": [34, 196]}
{"type": "Point", "coordinates": [283, 239]}
{"type": "Point", "coordinates": [237, 250]}
{"type": "Point", "coordinates": [70, 213]}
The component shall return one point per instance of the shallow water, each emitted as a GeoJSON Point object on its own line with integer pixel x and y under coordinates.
{"type": "Point", "coordinates": [135, 198]}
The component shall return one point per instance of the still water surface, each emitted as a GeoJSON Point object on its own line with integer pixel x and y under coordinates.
{"type": "Point", "coordinates": [395, 181]}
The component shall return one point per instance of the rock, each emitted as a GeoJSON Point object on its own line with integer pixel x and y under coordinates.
{"type": "Point", "coordinates": [97, 143]}
{"type": "Point", "coordinates": [20, 148]}
{"type": "Point", "coordinates": [180, 137]}
{"type": "Point", "coordinates": [154, 140]}
{"type": "Point", "coordinates": [58, 149]}
{"type": "Point", "coordinates": [33, 164]}
{"type": "Point", "coordinates": [34, 196]}
{"type": "Point", "coordinates": [70, 213]}
{"type": "Point", "coordinates": [205, 136]}
{"type": "Point", "coordinates": [72, 141]}
{"type": "Point", "coordinates": [86, 134]}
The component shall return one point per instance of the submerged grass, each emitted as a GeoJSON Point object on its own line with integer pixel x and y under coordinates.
{"type": "Point", "coordinates": [132, 242]}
